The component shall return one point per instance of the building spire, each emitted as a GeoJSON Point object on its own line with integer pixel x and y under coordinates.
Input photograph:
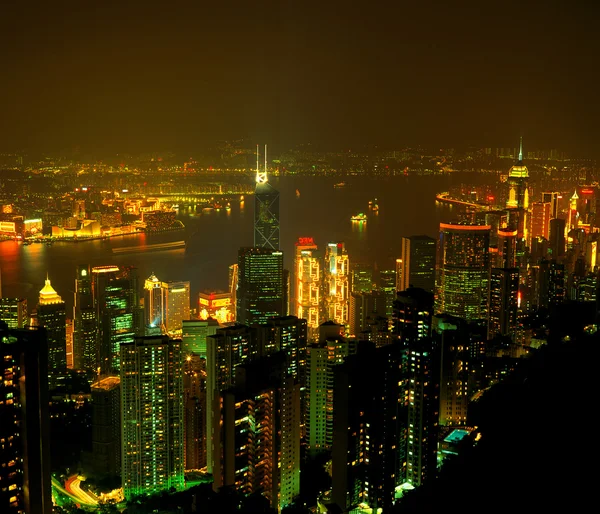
{"type": "Point", "coordinates": [261, 176]}
{"type": "Point", "coordinates": [521, 151]}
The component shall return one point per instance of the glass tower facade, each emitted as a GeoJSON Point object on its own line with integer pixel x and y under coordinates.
{"type": "Point", "coordinates": [266, 216]}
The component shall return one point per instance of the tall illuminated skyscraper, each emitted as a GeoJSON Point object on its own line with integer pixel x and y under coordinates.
{"type": "Point", "coordinates": [518, 196]}
{"type": "Point", "coordinates": [115, 293]}
{"type": "Point", "coordinates": [418, 263]}
{"type": "Point", "coordinates": [463, 271]}
{"type": "Point", "coordinates": [504, 302]}
{"type": "Point", "coordinates": [51, 315]}
{"type": "Point", "coordinates": [106, 425]}
{"type": "Point", "coordinates": [85, 323]}
{"type": "Point", "coordinates": [336, 276]}
{"type": "Point", "coordinates": [307, 292]}
{"type": "Point", "coordinates": [177, 306]}
{"type": "Point", "coordinates": [260, 293]}
{"type": "Point", "coordinates": [540, 219]}
{"type": "Point", "coordinates": [152, 416]}
{"type": "Point", "coordinates": [266, 209]}
{"type": "Point", "coordinates": [154, 306]}
{"type": "Point", "coordinates": [25, 479]}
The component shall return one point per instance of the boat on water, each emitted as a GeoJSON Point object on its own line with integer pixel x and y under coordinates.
{"type": "Point", "coordinates": [359, 217]}
{"type": "Point", "coordinates": [174, 245]}
{"type": "Point", "coordinates": [339, 185]}
{"type": "Point", "coordinates": [297, 193]}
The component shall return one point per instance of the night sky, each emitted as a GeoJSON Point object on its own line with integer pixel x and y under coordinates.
{"type": "Point", "coordinates": [133, 76]}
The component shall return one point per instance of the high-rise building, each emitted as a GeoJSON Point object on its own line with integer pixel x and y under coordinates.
{"type": "Point", "coordinates": [194, 394]}
{"type": "Point", "coordinates": [365, 307]}
{"type": "Point", "coordinates": [51, 315]}
{"type": "Point", "coordinates": [118, 314]}
{"type": "Point", "coordinates": [518, 196]}
{"type": "Point", "coordinates": [413, 309]}
{"type": "Point", "coordinates": [540, 219]}
{"type": "Point", "coordinates": [507, 248]}
{"type": "Point", "coordinates": [307, 263]}
{"type": "Point", "coordinates": [195, 332]}
{"type": "Point", "coordinates": [361, 277]}
{"type": "Point", "coordinates": [557, 242]}
{"type": "Point", "coordinates": [336, 277]}
{"type": "Point", "coordinates": [418, 263]}
{"type": "Point", "coordinates": [69, 341]}
{"type": "Point", "coordinates": [260, 293]}
{"type": "Point", "coordinates": [151, 415]}
{"type": "Point", "coordinates": [106, 426]}
{"type": "Point", "coordinates": [154, 299]}
{"type": "Point", "coordinates": [217, 305]}
{"type": "Point", "coordinates": [387, 284]}
{"type": "Point", "coordinates": [257, 434]}
{"type": "Point", "coordinates": [85, 322]}
{"type": "Point", "coordinates": [177, 306]}
{"type": "Point", "coordinates": [504, 302]}
{"type": "Point", "coordinates": [266, 210]}
{"type": "Point", "coordinates": [552, 198]}
{"type": "Point", "coordinates": [463, 271]}
{"type": "Point", "coordinates": [13, 311]}
{"type": "Point", "coordinates": [25, 477]}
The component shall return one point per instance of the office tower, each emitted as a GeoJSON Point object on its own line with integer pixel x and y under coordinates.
{"type": "Point", "coordinates": [307, 263]}
{"type": "Point", "coordinates": [498, 220]}
{"type": "Point", "coordinates": [13, 311]}
{"type": "Point", "coordinates": [552, 290]}
{"type": "Point", "coordinates": [557, 243]}
{"type": "Point", "coordinates": [233, 285]}
{"type": "Point", "coordinates": [153, 302]}
{"type": "Point", "coordinates": [51, 314]}
{"type": "Point", "coordinates": [177, 306]}
{"type": "Point", "coordinates": [463, 271]}
{"type": "Point", "coordinates": [418, 262]}
{"type": "Point", "coordinates": [507, 248]}
{"type": "Point", "coordinates": [85, 334]}
{"type": "Point", "coordinates": [115, 293]}
{"type": "Point", "coordinates": [216, 305]}
{"type": "Point", "coordinates": [194, 334]}
{"type": "Point", "coordinates": [106, 426]}
{"type": "Point", "coordinates": [387, 284]}
{"type": "Point", "coordinates": [25, 425]}
{"type": "Point", "coordinates": [413, 309]}
{"type": "Point", "coordinates": [451, 336]}
{"type": "Point", "coordinates": [260, 293]}
{"type": "Point", "coordinates": [194, 395]}
{"type": "Point", "coordinates": [504, 303]}
{"type": "Point", "coordinates": [258, 433]}
{"type": "Point", "coordinates": [365, 307]}
{"type": "Point", "coordinates": [289, 335]}
{"type": "Point", "coordinates": [336, 277]}
{"type": "Point", "coordinates": [518, 196]}
{"type": "Point", "coordinates": [399, 274]}
{"type": "Point", "coordinates": [540, 219]}
{"type": "Point", "coordinates": [573, 215]}
{"type": "Point", "coordinates": [551, 197]}
{"type": "Point", "coordinates": [226, 349]}
{"type": "Point", "coordinates": [322, 356]}
{"type": "Point", "coordinates": [361, 277]}
{"type": "Point", "coordinates": [538, 250]}
{"type": "Point", "coordinates": [151, 375]}
{"type": "Point", "coordinates": [69, 344]}
{"type": "Point", "coordinates": [266, 210]}
{"type": "Point", "coordinates": [385, 428]}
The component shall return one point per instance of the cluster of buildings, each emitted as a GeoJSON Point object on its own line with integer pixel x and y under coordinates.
{"type": "Point", "coordinates": [376, 369]}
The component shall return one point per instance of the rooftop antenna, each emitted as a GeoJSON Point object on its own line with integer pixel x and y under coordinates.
{"type": "Point", "coordinates": [261, 176]}
{"type": "Point", "coordinates": [265, 163]}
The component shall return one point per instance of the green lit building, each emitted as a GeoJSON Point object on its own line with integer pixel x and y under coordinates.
{"type": "Point", "coordinates": [118, 312]}
{"type": "Point", "coordinates": [13, 311]}
{"type": "Point", "coordinates": [417, 263]}
{"type": "Point", "coordinates": [261, 291]}
{"type": "Point", "coordinates": [152, 456]}
{"type": "Point", "coordinates": [463, 271]}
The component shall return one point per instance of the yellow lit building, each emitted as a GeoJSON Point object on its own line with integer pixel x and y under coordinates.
{"type": "Point", "coordinates": [337, 286]}
{"type": "Point", "coordinates": [308, 283]}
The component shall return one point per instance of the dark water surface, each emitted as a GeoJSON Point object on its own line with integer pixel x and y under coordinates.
{"type": "Point", "coordinates": [407, 207]}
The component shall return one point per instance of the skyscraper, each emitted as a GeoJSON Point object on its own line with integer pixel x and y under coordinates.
{"type": "Point", "coordinates": [336, 277]}
{"type": "Point", "coordinates": [118, 315]}
{"type": "Point", "coordinates": [51, 315]}
{"type": "Point", "coordinates": [85, 322]}
{"type": "Point", "coordinates": [551, 197]}
{"type": "Point", "coordinates": [106, 425]}
{"type": "Point", "coordinates": [153, 302]}
{"type": "Point", "coordinates": [307, 265]}
{"type": "Point", "coordinates": [260, 293]}
{"type": "Point", "coordinates": [418, 263]}
{"type": "Point", "coordinates": [540, 219]}
{"type": "Point", "coordinates": [13, 311]}
{"type": "Point", "coordinates": [518, 195]}
{"type": "Point", "coordinates": [266, 209]}
{"type": "Point", "coordinates": [177, 306]}
{"type": "Point", "coordinates": [504, 300]}
{"type": "Point", "coordinates": [463, 271]}
{"type": "Point", "coordinates": [151, 415]}
{"type": "Point", "coordinates": [24, 422]}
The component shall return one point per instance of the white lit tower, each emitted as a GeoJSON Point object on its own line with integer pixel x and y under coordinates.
{"type": "Point", "coordinates": [266, 209]}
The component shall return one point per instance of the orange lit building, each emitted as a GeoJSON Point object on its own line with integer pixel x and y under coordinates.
{"type": "Point", "coordinates": [308, 283]}
{"type": "Point", "coordinates": [216, 305]}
